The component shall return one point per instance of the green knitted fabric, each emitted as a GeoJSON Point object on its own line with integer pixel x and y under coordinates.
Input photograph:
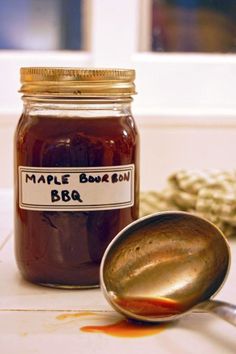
{"type": "Point", "coordinates": [210, 194]}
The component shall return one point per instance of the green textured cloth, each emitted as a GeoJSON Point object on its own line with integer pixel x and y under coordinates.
{"type": "Point", "coordinates": [211, 194]}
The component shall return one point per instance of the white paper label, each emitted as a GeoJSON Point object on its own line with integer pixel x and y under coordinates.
{"type": "Point", "coordinates": [83, 188]}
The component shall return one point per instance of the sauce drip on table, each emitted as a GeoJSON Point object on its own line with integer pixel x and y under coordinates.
{"type": "Point", "coordinates": [66, 316]}
{"type": "Point", "coordinates": [121, 328]}
{"type": "Point", "coordinates": [126, 328]}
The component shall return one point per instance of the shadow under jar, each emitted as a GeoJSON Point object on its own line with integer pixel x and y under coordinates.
{"type": "Point", "coordinates": [76, 171]}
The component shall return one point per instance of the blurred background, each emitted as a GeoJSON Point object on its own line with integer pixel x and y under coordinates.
{"type": "Point", "coordinates": [41, 25]}
{"type": "Point", "coordinates": [184, 55]}
{"type": "Point", "coordinates": [207, 26]}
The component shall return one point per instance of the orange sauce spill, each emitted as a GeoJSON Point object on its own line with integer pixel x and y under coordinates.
{"type": "Point", "coordinates": [66, 316]}
{"type": "Point", "coordinates": [126, 328]}
{"type": "Point", "coordinates": [24, 334]}
{"type": "Point", "coordinates": [152, 307]}
{"type": "Point", "coordinates": [123, 328]}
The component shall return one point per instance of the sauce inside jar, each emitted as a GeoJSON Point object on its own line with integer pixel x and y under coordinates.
{"type": "Point", "coordinates": [64, 248]}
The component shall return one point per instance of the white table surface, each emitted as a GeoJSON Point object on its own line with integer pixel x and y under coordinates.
{"type": "Point", "coordinates": [29, 315]}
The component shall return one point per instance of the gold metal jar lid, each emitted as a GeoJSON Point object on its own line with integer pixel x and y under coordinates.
{"type": "Point", "coordinates": [74, 82]}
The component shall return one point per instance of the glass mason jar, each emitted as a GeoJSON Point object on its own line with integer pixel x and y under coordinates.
{"type": "Point", "coordinates": [76, 171]}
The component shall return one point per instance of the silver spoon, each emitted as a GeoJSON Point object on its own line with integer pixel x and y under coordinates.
{"type": "Point", "coordinates": [165, 265]}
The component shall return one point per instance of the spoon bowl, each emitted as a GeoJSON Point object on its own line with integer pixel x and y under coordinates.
{"type": "Point", "coordinates": [164, 265]}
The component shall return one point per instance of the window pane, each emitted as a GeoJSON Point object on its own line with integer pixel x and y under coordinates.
{"type": "Point", "coordinates": [194, 26]}
{"type": "Point", "coordinates": [41, 24]}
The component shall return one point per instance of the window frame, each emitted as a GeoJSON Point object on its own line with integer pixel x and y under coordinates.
{"type": "Point", "coordinates": [178, 86]}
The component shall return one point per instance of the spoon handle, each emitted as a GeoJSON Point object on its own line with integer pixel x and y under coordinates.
{"type": "Point", "coordinates": [221, 309]}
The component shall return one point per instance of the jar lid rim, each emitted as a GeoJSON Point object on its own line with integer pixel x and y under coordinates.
{"type": "Point", "coordinates": [77, 81]}
{"type": "Point", "coordinates": [75, 73]}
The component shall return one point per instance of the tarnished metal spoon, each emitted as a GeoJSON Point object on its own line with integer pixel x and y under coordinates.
{"type": "Point", "coordinates": [165, 265]}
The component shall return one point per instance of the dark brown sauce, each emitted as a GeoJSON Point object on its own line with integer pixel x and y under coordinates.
{"type": "Point", "coordinates": [159, 307]}
{"type": "Point", "coordinates": [65, 248]}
